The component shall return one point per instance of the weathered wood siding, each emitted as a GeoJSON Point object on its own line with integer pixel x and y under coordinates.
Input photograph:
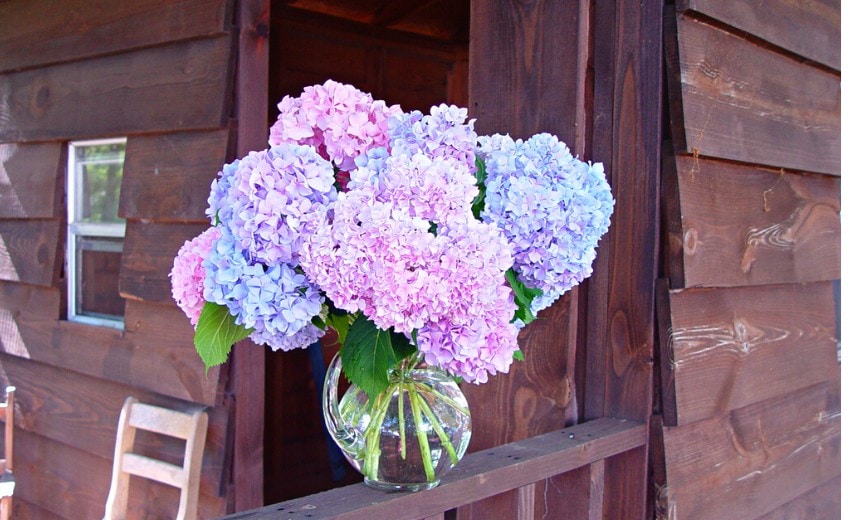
{"type": "Point", "coordinates": [749, 373]}
{"type": "Point", "coordinates": [161, 74]}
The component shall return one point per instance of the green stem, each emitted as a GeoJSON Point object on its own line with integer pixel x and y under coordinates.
{"type": "Point", "coordinates": [443, 397]}
{"type": "Point", "coordinates": [423, 438]}
{"type": "Point", "coordinates": [401, 426]}
{"type": "Point", "coordinates": [373, 435]}
{"type": "Point", "coordinates": [441, 433]}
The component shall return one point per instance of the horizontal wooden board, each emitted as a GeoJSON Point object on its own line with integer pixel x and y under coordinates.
{"type": "Point", "coordinates": [28, 177]}
{"type": "Point", "coordinates": [822, 502]}
{"type": "Point", "coordinates": [722, 349]}
{"type": "Point", "coordinates": [181, 86]}
{"type": "Point", "coordinates": [28, 250]}
{"type": "Point", "coordinates": [38, 32]}
{"type": "Point", "coordinates": [734, 100]}
{"type": "Point", "coordinates": [155, 352]}
{"type": "Point", "coordinates": [76, 484]}
{"type": "Point", "coordinates": [82, 412]}
{"type": "Point", "coordinates": [745, 225]}
{"type": "Point", "coordinates": [149, 250]}
{"type": "Point", "coordinates": [748, 463]}
{"type": "Point", "coordinates": [781, 24]}
{"type": "Point", "coordinates": [167, 177]}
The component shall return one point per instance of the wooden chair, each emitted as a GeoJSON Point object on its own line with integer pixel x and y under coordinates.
{"type": "Point", "coordinates": [7, 479]}
{"type": "Point", "coordinates": [192, 427]}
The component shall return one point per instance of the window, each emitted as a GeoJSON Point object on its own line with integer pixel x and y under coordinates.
{"type": "Point", "coordinates": [95, 232]}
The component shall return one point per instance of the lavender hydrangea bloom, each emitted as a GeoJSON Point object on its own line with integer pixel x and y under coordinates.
{"type": "Point", "coordinates": [269, 200]}
{"type": "Point", "coordinates": [552, 207]}
{"type": "Point", "coordinates": [443, 133]}
{"type": "Point", "coordinates": [276, 301]}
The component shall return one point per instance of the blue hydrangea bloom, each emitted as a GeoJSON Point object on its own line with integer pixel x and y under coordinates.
{"type": "Point", "coordinates": [552, 207]}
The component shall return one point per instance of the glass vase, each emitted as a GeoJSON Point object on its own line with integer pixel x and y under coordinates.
{"type": "Point", "coordinates": [409, 435]}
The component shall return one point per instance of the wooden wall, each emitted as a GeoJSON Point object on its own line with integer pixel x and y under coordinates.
{"type": "Point", "coordinates": [160, 73]}
{"type": "Point", "coordinates": [747, 309]}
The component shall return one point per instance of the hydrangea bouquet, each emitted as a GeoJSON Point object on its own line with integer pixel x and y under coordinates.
{"type": "Point", "coordinates": [407, 234]}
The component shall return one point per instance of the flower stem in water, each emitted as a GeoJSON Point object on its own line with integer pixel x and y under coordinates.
{"type": "Point", "coordinates": [424, 448]}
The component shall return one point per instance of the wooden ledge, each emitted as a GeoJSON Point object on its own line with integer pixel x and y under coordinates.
{"type": "Point", "coordinates": [478, 475]}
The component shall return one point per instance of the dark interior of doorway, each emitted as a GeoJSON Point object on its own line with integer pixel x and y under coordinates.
{"type": "Point", "coordinates": [411, 53]}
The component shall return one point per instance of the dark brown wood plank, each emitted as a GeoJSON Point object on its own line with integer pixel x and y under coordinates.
{"type": "Point", "coordinates": [175, 170]}
{"type": "Point", "coordinates": [748, 463]}
{"type": "Point", "coordinates": [747, 103]}
{"type": "Point", "coordinates": [28, 176]}
{"type": "Point", "coordinates": [39, 32]}
{"type": "Point", "coordinates": [731, 347]}
{"type": "Point", "coordinates": [181, 86]}
{"type": "Point", "coordinates": [77, 483]}
{"type": "Point", "coordinates": [82, 412]}
{"type": "Point", "coordinates": [781, 23]}
{"type": "Point", "coordinates": [478, 475]}
{"type": "Point", "coordinates": [822, 502]}
{"type": "Point", "coordinates": [28, 250]}
{"type": "Point", "coordinates": [745, 225]}
{"type": "Point", "coordinates": [148, 256]}
{"type": "Point", "coordinates": [248, 383]}
{"type": "Point", "coordinates": [155, 351]}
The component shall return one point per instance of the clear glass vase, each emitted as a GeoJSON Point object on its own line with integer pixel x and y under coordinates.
{"type": "Point", "coordinates": [409, 436]}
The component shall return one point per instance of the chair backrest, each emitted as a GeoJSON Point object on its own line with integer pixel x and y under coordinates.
{"type": "Point", "coordinates": [192, 427]}
{"type": "Point", "coordinates": [8, 407]}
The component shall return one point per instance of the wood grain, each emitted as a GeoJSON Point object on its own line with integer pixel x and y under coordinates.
{"type": "Point", "coordinates": [745, 225]}
{"type": "Point", "coordinates": [82, 412]}
{"type": "Point", "coordinates": [28, 177]}
{"type": "Point", "coordinates": [735, 100]}
{"type": "Point", "coordinates": [750, 462]}
{"type": "Point", "coordinates": [732, 347]}
{"type": "Point", "coordinates": [155, 352]}
{"type": "Point", "coordinates": [148, 257]}
{"type": "Point", "coordinates": [40, 32]}
{"type": "Point", "coordinates": [28, 250]}
{"type": "Point", "coordinates": [780, 23]}
{"type": "Point", "coordinates": [175, 170]}
{"type": "Point", "coordinates": [181, 86]}
{"type": "Point", "coordinates": [823, 501]}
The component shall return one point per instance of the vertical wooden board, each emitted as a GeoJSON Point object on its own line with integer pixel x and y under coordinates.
{"type": "Point", "coordinates": [781, 24]}
{"type": "Point", "coordinates": [148, 256]}
{"type": "Point", "coordinates": [731, 347]}
{"type": "Point", "coordinates": [753, 460]}
{"type": "Point", "coordinates": [181, 86]}
{"type": "Point", "coordinates": [28, 250]}
{"type": "Point", "coordinates": [525, 68]}
{"type": "Point", "coordinates": [248, 361]}
{"type": "Point", "coordinates": [745, 225]}
{"type": "Point", "coordinates": [38, 32]}
{"type": "Point", "coordinates": [174, 170]}
{"type": "Point", "coordinates": [746, 103]}
{"type": "Point", "coordinates": [28, 176]}
{"type": "Point", "coordinates": [82, 412]}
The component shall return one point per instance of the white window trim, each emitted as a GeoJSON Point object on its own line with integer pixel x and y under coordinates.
{"type": "Point", "coordinates": [85, 229]}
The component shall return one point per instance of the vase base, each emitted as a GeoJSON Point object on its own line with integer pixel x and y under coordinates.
{"type": "Point", "coordinates": [390, 486]}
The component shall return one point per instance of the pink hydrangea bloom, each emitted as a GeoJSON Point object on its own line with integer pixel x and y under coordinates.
{"type": "Point", "coordinates": [187, 274]}
{"type": "Point", "coordinates": [340, 121]}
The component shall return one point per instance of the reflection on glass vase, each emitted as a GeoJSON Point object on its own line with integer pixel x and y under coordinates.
{"type": "Point", "coordinates": [409, 436]}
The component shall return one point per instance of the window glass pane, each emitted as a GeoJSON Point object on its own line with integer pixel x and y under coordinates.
{"type": "Point", "coordinates": [100, 169]}
{"type": "Point", "coordinates": [99, 263]}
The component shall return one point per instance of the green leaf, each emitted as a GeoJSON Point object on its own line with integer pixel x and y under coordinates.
{"type": "Point", "coordinates": [216, 333]}
{"type": "Point", "coordinates": [480, 178]}
{"type": "Point", "coordinates": [341, 323]}
{"type": "Point", "coordinates": [522, 296]}
{"type": "Point", "coordinates": [369, 352]}
{"type": "Point", "coordinates": [518, 355]}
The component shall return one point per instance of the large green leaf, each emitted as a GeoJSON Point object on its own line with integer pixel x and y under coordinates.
{"type": "Point", "coordinates": [522, 296]}
{"type": "Point", "coordinates": [369, 352]}
{"type": "Point", "coordinates": [216, 333]}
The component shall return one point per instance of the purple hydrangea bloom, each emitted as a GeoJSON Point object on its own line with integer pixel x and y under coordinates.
{"type": "Point", "coordinates": [552, 207]}
{"type": "Point", "coordinates": [443, 133]}
{"type": "Point", "coordinates": [270, 200]}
